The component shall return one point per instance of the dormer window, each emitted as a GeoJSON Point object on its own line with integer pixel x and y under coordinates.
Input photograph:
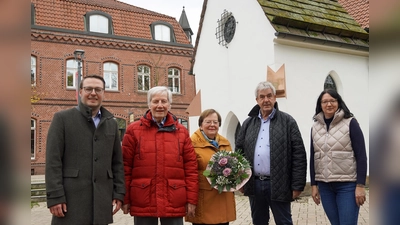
{"type": "Point", "coordinates": [162, 31]}
{"type": "Point", "coordinates": [99, 22]}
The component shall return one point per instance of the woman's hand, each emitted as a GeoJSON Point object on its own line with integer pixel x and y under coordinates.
{"type": "Point", "coordinates": [360, 195]}
{"type": "Point", "coordinates": [315, 194]}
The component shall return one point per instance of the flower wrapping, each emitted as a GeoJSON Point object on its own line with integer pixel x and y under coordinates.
{"type": "Point", "coordinates": [227, 171]}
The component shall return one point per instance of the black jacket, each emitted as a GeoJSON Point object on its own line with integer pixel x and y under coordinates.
{"type": "Point", "coordinates": [288, 155]}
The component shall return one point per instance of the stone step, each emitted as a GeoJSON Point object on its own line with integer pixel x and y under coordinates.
{"type": "Point", "coordinates": [38, 198]}
{"type": "Point", "coordinates": [38, 192]}
{"type": "Point", "coordinates": [38, 185]}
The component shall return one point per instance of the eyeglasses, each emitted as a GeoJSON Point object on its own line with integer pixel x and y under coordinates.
{"type": "Point", "coordinates": [209, 122]}
{"type": "Point", "coordinates": [332, 101]}
{"type": "Point", "coordinates": [89, 90]}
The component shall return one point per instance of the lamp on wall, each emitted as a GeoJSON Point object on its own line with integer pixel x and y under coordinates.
{"type": "Point", "coordinates": [79, 54]}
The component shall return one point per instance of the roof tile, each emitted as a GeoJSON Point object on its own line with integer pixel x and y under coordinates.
{"type": "Point", "coordinates": [127, 20]}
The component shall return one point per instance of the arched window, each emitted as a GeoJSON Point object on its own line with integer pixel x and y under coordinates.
{"type": "Point", "coordinates": [162, 31]}
{"type": "Point", "coordinates": [72, 73]}
{"type": "Point", "coordinates": [33, 70]}
{"type": "Point", "coordinates": [174, 80]}
{"type": "Point", "coordinates": [100, 22]}
{"type": "Point", "coordinates": [143, 78]}
{"type": "Point", "coordinates": [329, 83]}
{"type": "Point", "coordinates": [33, 138]}
{"type": "Point", "coordinates": [110, 75]}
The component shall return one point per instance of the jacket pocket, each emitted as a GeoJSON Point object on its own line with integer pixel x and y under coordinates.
{"type": "Point", "coordinates": [343, 162]}
{"type": "Point", "coordinates": [110, 174]}
{"type": "Point", "coordinates": [317, 163]}
{"type": "Point", "coordinates": [176, 192]}
{"type": "Point", "coordinates": [70, 173]}
{"type": "Point", "coordinates": [140, 192]}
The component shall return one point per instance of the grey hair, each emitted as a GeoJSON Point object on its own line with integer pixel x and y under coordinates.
{"type": "Point", "coordinates": [158, 90]}
{"type": "Point", "coordinates": [264, 85]}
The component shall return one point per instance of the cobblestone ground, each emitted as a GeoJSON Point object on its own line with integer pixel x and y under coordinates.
{"type": "Point", "coordinates": [304, 212]}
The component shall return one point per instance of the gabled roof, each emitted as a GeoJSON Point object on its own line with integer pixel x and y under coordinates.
{"type": "Point", "coordinates": [318, 20]}
{"type": "Point", "coordinates": [127, 20]}
{"type": "Point", "coordinates": [358, 9]}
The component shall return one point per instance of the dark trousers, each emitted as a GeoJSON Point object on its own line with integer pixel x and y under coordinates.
{"type": "Point", "coordinates": [211, 224]}
{"type": "Point", "coordinates": [261, 202]}
{"type": "Point", "coordinates": [138, 220]}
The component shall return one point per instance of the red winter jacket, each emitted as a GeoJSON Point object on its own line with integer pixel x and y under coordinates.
{"type": "Point", "coordinates": [160, 168]}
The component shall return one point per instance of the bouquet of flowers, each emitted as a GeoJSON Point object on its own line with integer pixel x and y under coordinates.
{"type": "Point", "coordinates": [227, 171]}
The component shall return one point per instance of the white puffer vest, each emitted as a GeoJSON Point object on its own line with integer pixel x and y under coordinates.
{"type": "Point", "coordinates": [334, 159]}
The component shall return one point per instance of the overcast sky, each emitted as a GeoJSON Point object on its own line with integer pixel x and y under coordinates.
{"type": "Point", "coordinates": [174, 8]}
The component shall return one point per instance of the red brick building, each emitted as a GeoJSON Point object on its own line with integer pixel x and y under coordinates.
{"type": "Point", "coordinates": [134, 49]}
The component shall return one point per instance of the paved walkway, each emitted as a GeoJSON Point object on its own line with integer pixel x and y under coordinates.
{"type": "Point", "coordinates": [304, 212]}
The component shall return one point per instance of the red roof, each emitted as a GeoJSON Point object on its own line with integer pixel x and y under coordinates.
{"type": "Point", "coordinates": [127, 20]}
{"type": "Point", "coordinates": [358, 9]}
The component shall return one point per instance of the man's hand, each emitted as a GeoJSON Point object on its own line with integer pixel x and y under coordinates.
{"type": "Point", "coordinates": [315, 194]}
{"type": "Point", "coordinates": [190, 210]}
{"type": "Point", "coordinates": [58, 210]}
{"type": "Point", "coordinates": [295, 194]}
{"type": "Point", "coordinates": [126, 208]}
{"type": "Point", "coordinates": [116, 205]}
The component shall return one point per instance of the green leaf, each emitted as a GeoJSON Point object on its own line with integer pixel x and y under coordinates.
{"type": "Point", "coordinates": [220, 188]}
{"type": "Point", "coordinates": [206, 173]}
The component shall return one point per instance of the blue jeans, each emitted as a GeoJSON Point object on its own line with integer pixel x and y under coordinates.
{"type": "Point", "coordinates": [261, 202]}
{"type": "Point", "coordinates": [339, 202]}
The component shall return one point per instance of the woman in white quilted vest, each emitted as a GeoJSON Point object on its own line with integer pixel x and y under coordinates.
{"type": "Point", "coordinates": [338, 160]}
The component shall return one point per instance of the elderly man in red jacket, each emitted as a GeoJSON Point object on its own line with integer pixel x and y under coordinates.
{"type": "Point", "coordinates": [160, 165]}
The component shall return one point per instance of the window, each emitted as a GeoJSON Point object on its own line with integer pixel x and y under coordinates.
{"type": "Point", "coordinates": [162, 31]}
{"type": "Point", "coordinates": [174, 80]}
{"type": "Point", "coordinates": [184, 123]}
{"type": "Point", "coordinates": [33, 70]}
{"type": "Point", "coordinates": [110, 74]}
{"type": "Point", "coordinates": [72, 73]}
{"type": "Point", "coordinates": [143, 78]}
{"type": "Point", "coordinates": [100, 22]}
{"type": "Point", "coordinates": [33, 135]}
{"type": "Point", "coordinates": [329, 83]}
{"type": "Point", "coordinates": [121, 127]}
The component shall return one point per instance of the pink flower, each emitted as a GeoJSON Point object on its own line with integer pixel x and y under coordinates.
{"type": "Point", "coordinates": [223, 161]}
{"type": "Point", "coordinates": [227, 172]}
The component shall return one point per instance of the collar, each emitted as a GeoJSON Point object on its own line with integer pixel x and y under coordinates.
{"type": "Point", "coordinates": [271, 115]}
{"type": "Point", "coordinates": [213, 142]}
{"type": "Point", "coordinates": [162, 121]}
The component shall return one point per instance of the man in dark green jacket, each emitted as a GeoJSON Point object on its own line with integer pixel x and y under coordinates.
{"type": "Point", "coordinates": [272, 143]}
{"type": "Point", "coordinates": [84, 167]}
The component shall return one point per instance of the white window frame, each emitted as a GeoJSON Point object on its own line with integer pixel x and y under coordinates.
{"type": "Point", "coordinates": [110, 75]}
{"type": "Point", "coordinates": [99, 23]}
{"type": "Point", "coordinates": [142, 75]}
{"type": "Point", "coordinates": [174, 80]}
{"type": "Point", "coordinates": [33, 70]}
{"type": "Point", "coordinates": [184, 122]}
{"type": "Point", "coordinates": [71, 66]}
{"type": "Point", "coordinates": [162, 33]}
{"type": "Point", "coordinates": [33, 139]}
